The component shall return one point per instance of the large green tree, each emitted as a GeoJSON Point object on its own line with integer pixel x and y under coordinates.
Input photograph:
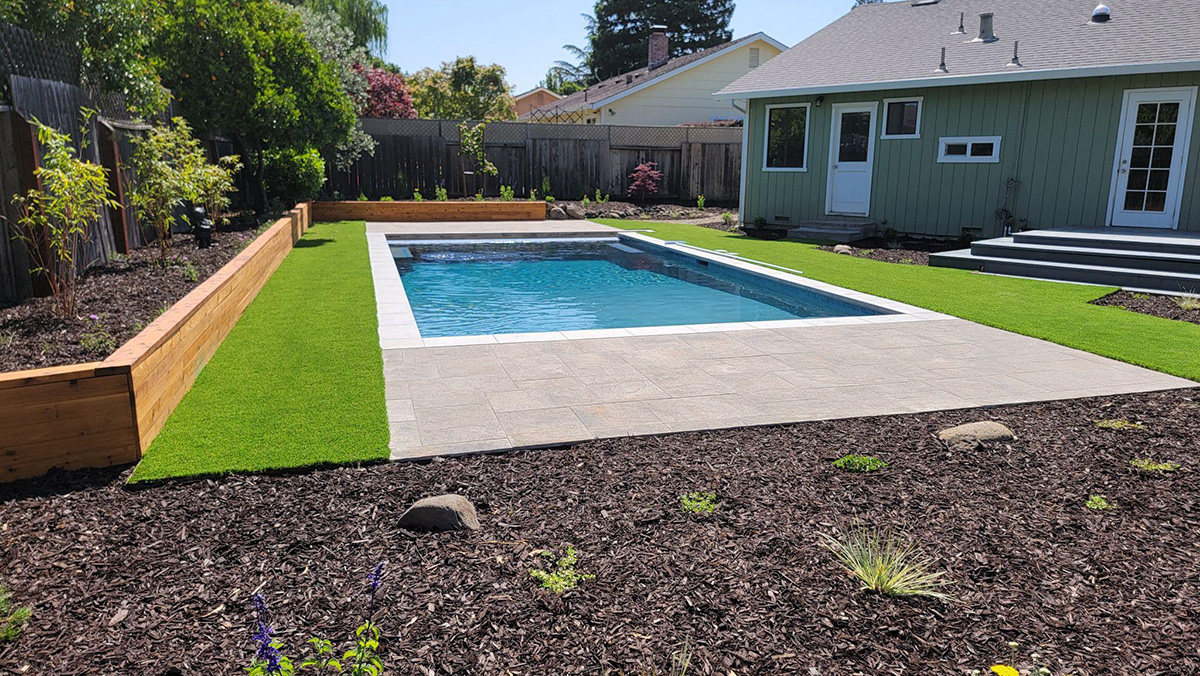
{"type": "Point", "coordinates": [247, 70]}
{"type": "Point", "coordinates": [462, 90]}
{"type": "Point", "coordinates": [621, 35]}
{"type": "Point", "coordinates": [367, 20]}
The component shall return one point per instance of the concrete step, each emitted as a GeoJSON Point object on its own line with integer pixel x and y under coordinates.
{"type": "Point", "coordinates": [1122, 239]}
{"type": "Point", "coordinates": [841, 232]}
{"type": "Point", "coordinates": [1007, 247]}
{"type": "Point", "coordinates": [1171, 282]}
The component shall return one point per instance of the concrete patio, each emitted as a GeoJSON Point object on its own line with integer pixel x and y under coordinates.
{"type": "Point", "coordinates": [489, 397]}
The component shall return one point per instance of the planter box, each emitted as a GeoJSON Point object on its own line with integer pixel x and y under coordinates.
{"type": "Point", "coordinates": [108, 413]}
{"type": "Point", "coordinates": [428, 211]}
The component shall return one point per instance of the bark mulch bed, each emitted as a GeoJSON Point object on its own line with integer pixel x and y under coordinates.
{"type": "Point", "coordinates": [651, 212]}
{"type": "Point", "coordinates": [158, 581]}
{"type": "Point", "coordinates": [905, 252]}
{"type": "Point", "coordinates": [1166, 307]}
{"type": "Point", "coordinates": [115, 301]}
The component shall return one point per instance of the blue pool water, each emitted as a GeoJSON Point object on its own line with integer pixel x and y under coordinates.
{"type": "Point", "coordinates": [491, 288]}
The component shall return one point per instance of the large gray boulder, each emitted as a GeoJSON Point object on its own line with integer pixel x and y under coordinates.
{"type": "Point", "coordinates": [440, 513]}
{"type": "Point", "coordinates": [575, 211]}
{"type": "Point", "coordinates": [975, 435]}
{"type": "Point", "coordinates": [557, 214]}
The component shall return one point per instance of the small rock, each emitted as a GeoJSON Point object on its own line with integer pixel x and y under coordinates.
{"type": "Point", "coordinates": [843, 249]}
{"type": "Point", "coordinates": [557, 214]}
{"type": "Point", "coordinates": [575, 211]}
{"type": "Point", "coordinates": [614, 214]}
{"type": "Point", "coordinates": [440, 513]}
{"type": "Point", "coordinates": [974, 435]}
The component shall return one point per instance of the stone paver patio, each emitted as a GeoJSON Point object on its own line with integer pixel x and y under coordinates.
{"type": "Point", "coordinates": [488, 397]}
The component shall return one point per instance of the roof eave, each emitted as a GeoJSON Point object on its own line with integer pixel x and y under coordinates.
{"type": "Point", "coordinates": [1016, 75]}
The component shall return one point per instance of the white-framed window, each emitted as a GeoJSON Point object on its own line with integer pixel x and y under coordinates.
{"type": "Point", "coordinates": [755, 57]}
{"type": "Point", "coordinates": [785, 138]}
{"type": "Point", "coordinates": [969, 150]}
{"type": "Point", "coordinates": [902, 117]}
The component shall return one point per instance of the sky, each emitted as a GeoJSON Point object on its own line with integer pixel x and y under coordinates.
{"type": "Point", "coordinates": [526, 36]}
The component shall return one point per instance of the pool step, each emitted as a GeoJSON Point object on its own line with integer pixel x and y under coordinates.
{"type": "Point", "coordinates": [841, 232]}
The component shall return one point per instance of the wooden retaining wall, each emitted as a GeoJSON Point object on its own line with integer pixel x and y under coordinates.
{"type": "Point", "coordinates": [108, 413]}
{"type": "Point", "coordinates": [418, 212]}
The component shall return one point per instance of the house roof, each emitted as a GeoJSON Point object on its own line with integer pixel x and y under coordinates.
{"type": "Point", "coordinates": [898, 44]}
{"type": "Point", "coordinates": [535, 90]}
{"type": "Point", "coordinates": [626, 83]}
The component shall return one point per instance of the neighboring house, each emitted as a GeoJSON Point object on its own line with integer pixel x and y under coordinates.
{"type": "Point", "coordinates": [534, 99]}
{"type": "Point", "coordinates": [667, 92]}
{"type": "Point", "coordinates": [939, 117]}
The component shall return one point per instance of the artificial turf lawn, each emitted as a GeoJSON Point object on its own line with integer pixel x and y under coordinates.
{"type": "Point", "coordinates": [1052, 311]}
{"type": "Point", "coordinates": [299, 380]}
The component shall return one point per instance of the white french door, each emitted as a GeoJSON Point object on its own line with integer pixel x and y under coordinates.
{"type": "Point", "coordinates": [1152, 150]}
{"type": "Point", "coordinates": [851, 159]}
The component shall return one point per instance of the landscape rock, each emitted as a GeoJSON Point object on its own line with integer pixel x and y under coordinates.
{"type": "Point", "coordinates": [557, 214]}
{"type": "Point", "coordinates": [614, 214]}
{"type": "Point", "coordinates": [575, 211]}
{"type": "Point", "coordinates": [974, 435]}
{"type": "Point", "coordinates": [440, 513]}
{"type": "Point", "coordinates": [843, 249]}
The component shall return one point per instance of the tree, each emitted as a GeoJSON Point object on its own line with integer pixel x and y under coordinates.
{"type": "Point", "coordinates": [561, 83]}
{"type": "Point", "coordinates": [620, 37]}
{"type": "Point", "coordinates": [367, 20]}
{"type": "Point", "coordinates": [387, 95]}
{"type": "Point", "coordinates": [169, 163]}
{"type": "Point", "coordinates": [247, 70]}
{"type": "Point", "coordinates": [463, 90]}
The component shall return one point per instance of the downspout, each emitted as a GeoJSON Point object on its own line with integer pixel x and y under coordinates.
{"type": "Point", "coordinates": [745, 158]}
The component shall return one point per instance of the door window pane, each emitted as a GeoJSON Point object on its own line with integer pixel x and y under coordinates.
{"type": "Point", "coordinates": [1168, 112]}
{"type": "Point", "coordinates": [1143, 135]}
{"type": "Point", "coordinates": [1147, 112]}
{"type": "Point", "coordinates": [1138, 179]}
{"type": "Point", "coordinates": [855, 137]}
{"type": "Point", "coordinates": [902, 118]}
{"type": "Point", "coordinates": [1159, 179]}
{"type": "Point", "coordinates": [1140, 159]}
{"type": "Point", "coordinates": [1165, 135]}
{"type": "Point", "coordinates": [1162, 158]}
{"type": "Point", "coordinates": [786, 137]}
{"type": "Point", "coordinates": [1134, 200]}
{"type": "Point", "coordinates": [1156, 201]}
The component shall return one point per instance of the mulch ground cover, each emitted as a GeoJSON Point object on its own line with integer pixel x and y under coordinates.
{"type": "Point", "coordinates": [158, 580]}
{"type": "Point", "coordinates": [905, 252]}
{"type": "Point", "coordinates": [115, 301]}
{"type": "Point", "coordinates": [1166, 307]}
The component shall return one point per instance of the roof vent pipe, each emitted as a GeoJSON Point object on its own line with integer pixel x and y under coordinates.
{"type": "Point", "coordinates": [942, 67]}
{"type": "Point", "coordinates": [987, 31]}
{"type": "Point", "coordinates": [962, 24]}
{"type": "Point", "coordinates": [1016, 60]}
{"type": "Point", "coordinates": [1102, 14]}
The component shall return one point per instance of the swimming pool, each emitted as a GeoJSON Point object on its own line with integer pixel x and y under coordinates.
{"type": "Point", "coordinates": [486, 288]}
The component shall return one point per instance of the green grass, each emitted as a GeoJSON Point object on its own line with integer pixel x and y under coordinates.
{"type": "Point", "coordinates": [299, 380]}
{"type": "Point", "coordinates": [1057, 312]}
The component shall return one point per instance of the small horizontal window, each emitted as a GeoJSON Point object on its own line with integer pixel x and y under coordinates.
{"type": "Point", "coordinates": [902, 118]}
{"type": "Point", "coordinates": [969, 150]}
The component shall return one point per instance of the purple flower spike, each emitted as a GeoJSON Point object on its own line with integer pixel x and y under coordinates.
{"type": "Point", "coordinates": [94, 317]}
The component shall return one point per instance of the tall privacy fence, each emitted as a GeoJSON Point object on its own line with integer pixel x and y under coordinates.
{"type": "Point", "coordinates": [573, 160]}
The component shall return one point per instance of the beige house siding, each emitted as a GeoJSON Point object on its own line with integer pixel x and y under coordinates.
{"type": "Point", "coordinates": [533, 100]}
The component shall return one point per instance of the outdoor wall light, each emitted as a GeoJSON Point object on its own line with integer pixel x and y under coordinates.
{"type": "Point", "coordinates": [820, 100]}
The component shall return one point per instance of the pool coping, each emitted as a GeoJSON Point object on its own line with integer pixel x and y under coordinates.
{"type": "Point", "coordinates": [398, 327]}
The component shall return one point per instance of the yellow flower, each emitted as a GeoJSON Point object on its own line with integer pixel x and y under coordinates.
{"type": "Point", "coordinates": [1005, 670]}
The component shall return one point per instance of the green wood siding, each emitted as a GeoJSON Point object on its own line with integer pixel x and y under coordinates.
{"type": "Point", "coordinates": [1059, 142]}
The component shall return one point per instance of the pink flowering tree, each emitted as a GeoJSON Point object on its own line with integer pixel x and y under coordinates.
{"type": "Point", "coordinates": [645, 179]}
{"type": "Point", "coordinates": [387, 95]}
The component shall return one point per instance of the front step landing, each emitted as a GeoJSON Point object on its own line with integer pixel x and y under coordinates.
{"type": "Point", "coordinates": [842, 232]}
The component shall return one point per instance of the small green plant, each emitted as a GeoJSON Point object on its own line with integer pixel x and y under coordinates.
{"type": "Point", "coordinates": [885, 563]}
{"type": "Point", "coordinates": [440, 194]}
{"type": "Point", "coordinates": [362, 197]}
{"type": "Point", "coordinates": [12, 620]}
{"type": "Point", "coordinates": [533, 195]}
{"type": "Point", "coordinates": [728, 219]}
{"type": "Point", "coordinates": [546, 191]}
{"type": "Point", "coordinates": [601, 199]}
{"type": "Point", "coordinates": [586, 202]}
{"type": "Point", "coordinates": [417, 196]}
{"type": "Point", "coordinates": [478, 197]}
{"type": "Point", "coordinates": [1140, 296]}
{"type": "Point", "coordinates": [698, 503]}
{"type": "Point", "coordinates": [906, 261]}
{"type": "Point", "coordinates": [1148, 465]}
{"type": "Point", "coordinates": [471, 145]}
{"type": "Point", "coordinates": [1119, 424]}
{"type": "Point", "coordinates": [700, 201]}
{"type": "Point", "coordinates": [550, 198]}
{"type": "Point", "coordinates": [188, 270]}
{"type": "Point", "coordinates": [1187, 303]}
{"type": "Point", "coordinates": [564, 577]}
{"type": "Point", "coordinates": [507, 194]}
{"type": "Point", "coordinates": [386, 198]}
{"type": "Point", "coordinates": [97, 339]}
{"type": "Point", "coordinates": [7, 339]}
{"type": "Point", "coordinates": [1099, 502]}
{"type": "Point", "coordinates": [859, 464]}
{"type": "Point", "coordinates": [168, 161]}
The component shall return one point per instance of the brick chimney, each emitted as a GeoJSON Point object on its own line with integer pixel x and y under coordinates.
{"type": "Point", "coordinates": [660, 47]}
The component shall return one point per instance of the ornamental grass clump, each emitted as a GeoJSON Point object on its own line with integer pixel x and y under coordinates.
{"type": "Point", "coordinates": [885, 563]}
{"type": "Point", "coordinates": [859, 464]}
{"type": "Point", "coordinates": [563, 578]}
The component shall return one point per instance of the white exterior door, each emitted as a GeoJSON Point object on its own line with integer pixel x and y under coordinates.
{"type": "Point", "coordinates": [1156, 129]}
{"type": "Point", "coordinates": [851, 159]}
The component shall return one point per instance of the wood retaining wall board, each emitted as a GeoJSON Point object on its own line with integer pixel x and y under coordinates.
{"type": "Point", "coordinates": [419, 212]}
{"type": "Point", "coordinates": [108, 413]}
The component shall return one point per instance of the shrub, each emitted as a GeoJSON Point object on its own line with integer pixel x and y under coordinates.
{"type": "Point", "coordinates": [546, 192]}
{"type": "Point", "coordinates": [563, 577]}
{"type": "Point", "coordinates": [1119, 424]}
{"type": "Point", "coordinates": [417, 196]}
{"type": "Point", "coordinates": [440, 194]}
{"type": "Point", "coordinates": [601, 199]}
{"type": "Point", "coordinates": [698, 503]}
{"type": "Point", "coordinates": [645, 179]}
{"type": "Point", "coordinates": [859, 464]}
{"type": "Point", "coordinates": [169, 162]}
{"type": "Point", "coordinates": [362, 197]}
{"type": "Point", "coordinates": [884, 563]}
{"type": "Point", "coordinates": [293, 176]}
{"type": "Point", "coordinates": [214, 183]}
{"type": "Point", "coordinates": [471, 146]}
{"type": "Point", "coordinates": [56, 220]}
{"type": "Point", "coordinates": [728, 219]}
{"type": "Point", "coordinates": [700, 202]}
{"type": "Point", "coordinates": [586, 202]}
{"type": "Point", "coordinates": [386, 198]}
{"type": "Point", "coordinates": [1148, 465]}
{"type": "Point", "coordinates": [12, 620]}
{"type": "Point", "coordinates": [507, 194]}
{"type": "Point", "coordinates": [1099, 502]}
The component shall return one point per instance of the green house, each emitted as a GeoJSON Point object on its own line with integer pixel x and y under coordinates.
{"type": "Point", "coordinates": [939, 117]}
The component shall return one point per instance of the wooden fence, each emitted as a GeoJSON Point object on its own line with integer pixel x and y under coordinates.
{"type": "Point", "coordinates": [573, 160]}
{"type": "Point", "coordinates": [410, 212]}
{"type": "Point", "coordinates": [108, 413]}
